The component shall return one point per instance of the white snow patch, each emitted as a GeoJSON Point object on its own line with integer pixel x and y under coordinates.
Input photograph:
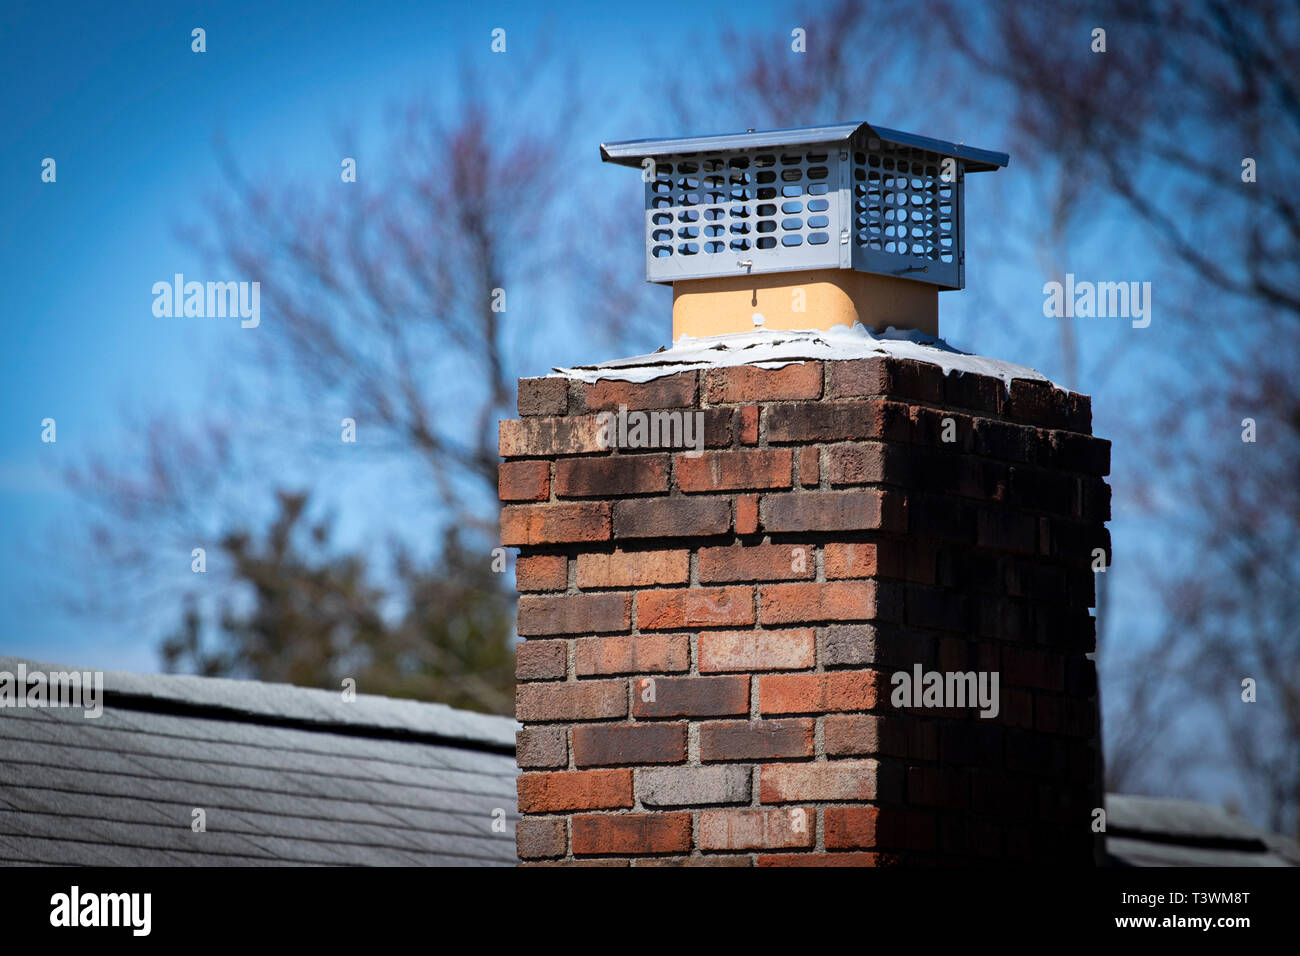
{"type": "Point", "coordinates": [768, 348]}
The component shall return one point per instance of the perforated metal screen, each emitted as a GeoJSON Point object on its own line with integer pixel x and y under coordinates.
{"type": "Point", "coordinates": [864, 204]}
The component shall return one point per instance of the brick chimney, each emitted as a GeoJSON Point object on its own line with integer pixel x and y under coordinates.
{"type": "Point", "coordinates": [711, 642]}
{"type": "Point", "coordinates": [793, 592]}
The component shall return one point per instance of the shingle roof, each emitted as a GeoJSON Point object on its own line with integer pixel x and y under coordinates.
{"type": "Point", "coordinates": [1158, 831]}
{"type": "Point", "coordinates": [285, 775]}
{"type": "Point", "coordinates": [288, 775]}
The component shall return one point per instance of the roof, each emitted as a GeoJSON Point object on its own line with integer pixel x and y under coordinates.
{"type": "Point", "coordinates": [1158, 831]}
{"type": "Point", "coordinates": [285, 775]}
{"type": "Point", "coordinates": [632, 152]}
{"type": "Point", "coordinates": [290, 776]}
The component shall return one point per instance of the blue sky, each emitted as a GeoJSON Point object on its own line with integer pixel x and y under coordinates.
{"type": "Point", "coordinates": [114, 94]}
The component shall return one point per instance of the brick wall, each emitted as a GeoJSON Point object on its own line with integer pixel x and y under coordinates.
{"type": "Point", "coordinates": [709, 642]}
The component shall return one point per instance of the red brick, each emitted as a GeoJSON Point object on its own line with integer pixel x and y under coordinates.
{"type": "Point", "coordinates": [539, 839]}
{"type": "Point", "coordinates": [811, 601]}
{"type": "Point", "coordinates": [851, 560]}
{"type": "Point", "coordinates": [694, 607]}
{"type": "Point", "coordinates": [757, 829]}
{"type": "Point", "coordinates": [612, 745]}
{"type": "Point", "coordinates": [732, 651]}
{"type": "Point", "coordinates": [791, 737]}
{"type": "Point", "coordinates": [631, 833]}
{"type": "Point", "coordinates": [542, 572]}
{"type": "Point", "coordinates": [668, 391]}
{"type": "Point", "coordinates": [541, 660]}
{"type": "Point", "coordinates": [830, 511]}
{"type": "Point", "coordinates": [573, 613]}
{"type": "Point", "coordinates": [748, 383]}
{"type": "Point", "coordinates": [868, 463]}
{"type": "Point", "coordinates": [585, 700]}
{"type": "Point", "coordinates": [554, 524]}
{"type": "Point", "coordinates": [611, 477]}
{"type": "Point", "coordinates": [817, 693]}
{"type": "Point", "coordinates": [904, 378]}
{"type": "Point", "coordinates": [827, 859]}
{"type": "Point", "coordinates": [847, 735]}
{"type": "Point", "coordinates": [849, 828]}
{"type": "Point", "coordinates": [810, 466]}
{"type": "Point", "coordinates": [524, 480]}
{"type": "Point", "coordinates": [543, 396]}
{"type": "Point", "coordinates": [838, 421]}
{"type": "Point", "coordinates": [757, 562]}
{"type": "Point", "coordinates": [747, 418]}
{"type": "Point", "coordinates": [574, 790]}
{"type": "Point", "coordinates": [817, 782]}
{"type": "Point", "coordinates": [640, 654]}
{"type": "Point", "coordinates": [735, 470]}
{"type": "Point", "coordinates": [633, 569]}
{"type": "Point", "coordinates": [690, 696]}
{"type": "Point", "coordinates": [746, 514]}
{"type": "Point", "coordinates": [542, 747]}
{"type": "Point", "coordinates": [671, 517]}
{"type": "Point", "coordinates": [548, 437]}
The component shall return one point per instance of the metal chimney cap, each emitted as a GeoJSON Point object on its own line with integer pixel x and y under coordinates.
{"type": "Point", "coordinates": [633, 152]}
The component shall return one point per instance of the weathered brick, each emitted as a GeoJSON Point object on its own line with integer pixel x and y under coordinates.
{"type": "Point", "coordinates": [818, 693]}
{"type": "Point", "coordinates": [611, 477]}
{"type": "Point", "coordinates": [694, 607]}
{"type": "Point", "coordinates": [871, 510]}
{"type": "Point", "coordinates": [542, 572]}
{"type": "Point", "coordinates": [631, 833]}
{"type": "Point", "coordinates": [538, 839]}
{"type": "Point", "coordinates": [574, 790]}
{"type": "Point", "coordinates": [757, 829]}
{"type": "Point", "coordinates": [746, 514]}
{"type": "Point", "coordinates": [810, 466]}
{"type": "Point", "coordinates": [671, 517]}
{"type": "Point", "coordinates": [790, 737]}
{"type": "Point", "coordinates": [748, 383]}
{"type": "Point", "coordinates": [968, 390]}
{"type": "Point", "coordinates": [867, 463]}
{"type": "Point", "coordinates": [523, 525]}
{"type": "Point", "coordinates": [549, 437]}
{"type": "Point", "coordinates": [633, 569]}
{"type": "Point", "coordinates": [849, 828]}
{"type": "Point", "coordinates": [615, 745]}
{"type": "Point", "coordinates": [838, 421]}
{"type": "Point", "coordinates": [756, 562]}
{"type": "Point", "coordinates": [573, 613]}
{"type": "Point", "coordinates": [841, 859]}
{"type": "Point", "coordinates": [850, 560]}
{"type": "Point", "coordinates": [633, 654]}
{"type": "Point", "coordinates": [693, 786]}
{"type": "Point", "coordinates": [585, 700]}
{"type": "Point", "coordinates": [729, 651]}
{"type": "Point", "coordinates": [747, 423]}
{"type": "Point", "coordinates": [895, 377]}
{"type": "Point", "coordinates": [541, 660]}
{"type": "Point", "coordinates": [543, 396]}
{"type": "Point", "coordinates": [808, 602]}
{"type": "Point", "coordinates": [524, 480]}
{"type": "Point", "coordinates": [690, 696]}
{"type": "Point", "coordinates": [668, 391]}
{"type": "Point", "coordinates": [856, 734]}
{"type": "Point", "coordinates": [542, 747]}
{"type": "Point", "coordinates": [743, 468]}
{"type": "Point", "coordinates": [817, 782]}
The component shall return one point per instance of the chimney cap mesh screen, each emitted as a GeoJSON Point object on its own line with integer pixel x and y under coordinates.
{"type": "Point", "coordinates": [842, 197]}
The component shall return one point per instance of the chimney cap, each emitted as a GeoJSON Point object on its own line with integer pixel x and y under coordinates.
{"type": "Point", "coordinates": [634, 152]}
